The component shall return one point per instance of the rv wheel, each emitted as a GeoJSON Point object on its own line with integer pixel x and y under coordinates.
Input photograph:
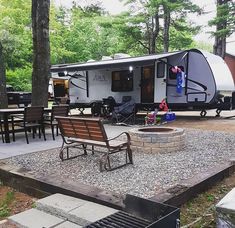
{"type": "Point", "coordinates": [203, 113]}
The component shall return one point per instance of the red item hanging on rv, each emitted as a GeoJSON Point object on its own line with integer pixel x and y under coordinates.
{"type": "Point", "coordinates": [163, 106]}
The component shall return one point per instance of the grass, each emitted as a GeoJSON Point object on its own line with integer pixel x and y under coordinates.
{"type": "Point", "coordinates": [200, 212]}
{"type": "Point", "coordinates": [5, 203]}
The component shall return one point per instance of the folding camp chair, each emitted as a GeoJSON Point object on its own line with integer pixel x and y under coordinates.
{"type": "Point", "coordinates": [124, 113]}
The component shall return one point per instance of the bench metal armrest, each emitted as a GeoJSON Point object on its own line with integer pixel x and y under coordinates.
{"type": "Point", "coordinates": [127, 135]}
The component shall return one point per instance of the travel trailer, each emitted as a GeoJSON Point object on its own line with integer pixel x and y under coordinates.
{"type": "Point", "coordinates": [186, 80]}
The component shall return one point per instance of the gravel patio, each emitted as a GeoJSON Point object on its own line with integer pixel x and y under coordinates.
{"type": "Point", "coordinates": [150, 172]}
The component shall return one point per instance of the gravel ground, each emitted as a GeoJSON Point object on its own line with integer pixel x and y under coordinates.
{"type": "Point", "coordinates": [150, 172]}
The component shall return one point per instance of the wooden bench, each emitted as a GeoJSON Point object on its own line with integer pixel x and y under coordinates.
{"type": "Point", "coordinates": [89, 132]}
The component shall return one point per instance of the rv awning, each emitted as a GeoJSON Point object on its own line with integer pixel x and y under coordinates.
{"type": "Point", "coordinates": [114, 63]}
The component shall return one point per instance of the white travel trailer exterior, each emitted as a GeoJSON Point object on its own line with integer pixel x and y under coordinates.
{"type": "Point", "coordinates": [150, 79]}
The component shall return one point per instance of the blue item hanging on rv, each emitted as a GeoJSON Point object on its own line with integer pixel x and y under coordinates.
{"type": "Point", "coordinates": [179, 81]}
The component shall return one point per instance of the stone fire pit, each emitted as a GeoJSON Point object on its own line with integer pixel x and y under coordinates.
{"type": "Point", "coordinates": [157, 139]}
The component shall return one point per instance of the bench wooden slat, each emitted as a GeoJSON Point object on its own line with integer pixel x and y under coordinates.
{"type": "Point", "coordinates": [113, 144]}
{"type": "Point", "coordinates": [88, 131]}
{"type": "Point", "coordinates": [92, 124]}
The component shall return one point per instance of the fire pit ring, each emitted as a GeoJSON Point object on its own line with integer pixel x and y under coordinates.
{"type": "Point", "coordinates": [157, 139]}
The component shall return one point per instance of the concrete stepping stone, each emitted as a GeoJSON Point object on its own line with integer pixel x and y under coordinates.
{"type": "Point", "coordinates": [34, 218]}
{"type": "Point", "coordinates": [75, 210]}
{"type": "Point", "coordinates": [68, 225]}
{"type": "Point", "coordinates": [59, 204]}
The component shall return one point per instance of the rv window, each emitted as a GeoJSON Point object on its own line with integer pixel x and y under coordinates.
{"type": "Point", "coordinates": [122, 81]}
{"type": "Point", "coordinates": [173, 72]}
{"type": "Point", "coordinates": [160, 70]}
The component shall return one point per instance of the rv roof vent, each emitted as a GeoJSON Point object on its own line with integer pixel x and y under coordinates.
{"type": "Point", "coordinates": [106, 58]}
{"type": "Point", "coordinates": [90, 60]}
{"type": "Point", "coordinates": [120, 56]}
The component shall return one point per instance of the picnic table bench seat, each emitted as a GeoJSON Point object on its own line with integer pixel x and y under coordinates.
{"type": "Point", "coordinates": [83, 132]}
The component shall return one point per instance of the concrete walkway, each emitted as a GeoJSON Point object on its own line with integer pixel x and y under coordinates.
{"type": "Point", "coordinates": [20, 146]}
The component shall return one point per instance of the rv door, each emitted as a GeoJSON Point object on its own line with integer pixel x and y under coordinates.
{"type": "Point", "coordinates": [160, 81]}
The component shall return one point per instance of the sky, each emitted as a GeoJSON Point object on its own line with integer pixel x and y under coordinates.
{"type": "Point", "coordinates": [115, 7]}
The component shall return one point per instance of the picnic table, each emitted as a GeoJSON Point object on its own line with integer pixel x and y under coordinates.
{"type": "Point", "coordinates": [5, 113]}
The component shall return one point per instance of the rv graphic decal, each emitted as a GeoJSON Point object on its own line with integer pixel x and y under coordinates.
{"type": "Point", "coordinates": [99, 78]}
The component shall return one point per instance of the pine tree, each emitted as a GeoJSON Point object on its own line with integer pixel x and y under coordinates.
{"type": "Point", "coordinates": [225, 25]}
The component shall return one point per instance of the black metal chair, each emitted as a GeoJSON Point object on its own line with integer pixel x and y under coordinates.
{"type": "Point", "coordinates": [32, 119]}
{"type": "Point", "coordinates": [57, 110]}
{"type": "Point", "coordinates": [3, 131]}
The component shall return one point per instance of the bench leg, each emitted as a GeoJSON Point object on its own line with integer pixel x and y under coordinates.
{"type": "Point", "coordinates": [104, 161]}
{"type": "Point", "coordinates": [129, 153]}
{"type": "Point", "coordinates": [84, 148]}
{"type": "Point", "coordinates": [107, 163]}
{"type": "Point", "coordinates": [61, 155]}
{"type": "Point", "coordinates": [67, 147]}
{"type": "Point", "coordinates": [67, 152]}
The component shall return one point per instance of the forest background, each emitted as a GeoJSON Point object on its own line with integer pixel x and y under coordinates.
{"type": "Point", "coordinates": [81, 33]}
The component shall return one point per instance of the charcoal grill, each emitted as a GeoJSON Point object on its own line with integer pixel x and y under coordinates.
{"type": "Point", "coordinates": [120, 219]}
{"type": "Point", "coordinates": [141, 213]}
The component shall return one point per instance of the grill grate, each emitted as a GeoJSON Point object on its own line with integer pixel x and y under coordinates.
{"type": "Point", "coordinates": [120, 219]}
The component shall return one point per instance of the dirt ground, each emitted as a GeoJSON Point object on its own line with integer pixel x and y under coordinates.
{"type": "Point", "coordinates": [199, 212]}
{"type": "Point", "coordinates": [13, 202]}
{"type": "Point", "coordinates": [207, 123]}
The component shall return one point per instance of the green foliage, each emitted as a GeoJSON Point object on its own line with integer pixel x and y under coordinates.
{"type": "Point", "coordinates": [4, 204]}
{"type": "Point", "coordinates": [210, 198]}
{"type": "Point", "coordinates": [181, 35]}
{"type": "Point", "coordinates": [83, 33]}
{"type": "Point", "coordinates": [20, 78]}
{"type": "Point", "coordinates": [15, 34]}
{"type": "Point", "coordinates": [4, 211]}
{"type": "Point", "coordinates": [152, 13]}
{"type": "Point", "coordinates": [224, 20]}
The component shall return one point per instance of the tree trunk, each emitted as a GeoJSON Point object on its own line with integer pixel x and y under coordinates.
{"type": "Point", "coordinates": [154, 33]}
{"type": "Point", "coordinates": [41, 52]}
{"type": "Point", "coordinates": [220, 42]}
{"type": "Point", "coordinates": [166, 28]}
{"type": "Point", "coordinates": [3, 91]}
{"type": "Point", "coordinates": [219, 47]}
